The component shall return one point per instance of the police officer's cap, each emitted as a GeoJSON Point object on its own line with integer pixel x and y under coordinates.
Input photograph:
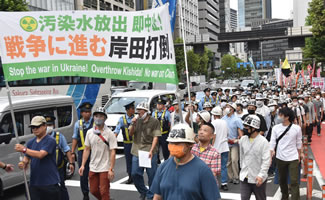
{"type": "Point", "coordinates": [193, 94]}
{"type": "Point", "coordinates": [50, 119]}
{"type": "Point", "coordinates": [186, 95]}
{"type": "Point", "coordinates": [161, 100]}
{"type": "Point", "coordinates": [129, 105]}
{"type": "Point", "coordinates": [219, 90]}
{"type": "Point", "coordinates": [214, 94]}
{"type": "Point", "coordinates": [227, 90]}
{"type": "Point", "coordinates": [207, 90]}
{"type": "Point", "coordinates": [86, 107]}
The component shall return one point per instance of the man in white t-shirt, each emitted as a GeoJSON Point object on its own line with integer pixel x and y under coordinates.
{"type": "Point", "coordinates": [175, 116]}
{"type": "Point", "coordinates": [101, 143]}
{"type": "Point", "coordinates": [220, 143]}
{"type": "Point", "coordinates": [288, 152]}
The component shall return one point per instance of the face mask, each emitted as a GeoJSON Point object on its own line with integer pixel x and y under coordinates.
{"type": "Point", "coordinates": [99, 122]}
{"type": "Point", "coordinates": [227, 111]}
{"type": "Point", "coordinates": [272, 108]}
{"type": "Point", "coordinates": [301, 101]}
{"type": "Point", "coordinates": [259, 104]}
{"type": "Point", "coordinates": [176, 150]}
{"type": "Point", "coordinates": [245, 130]}
{"type": "Point", "coordinates": [251, 112]}
{"type": "Point", "coordinates": [144, 115]}
{"type": "Point", "coordinates": [318, 97]}
{"type": "Point", "coordinates": [223, 104]}
{"type": "Point", "coordinates": [49, 129]}
{"type": "Point", "coordinates": [280, 119]}
{"type": "Point", "coordinates": [295, 104]}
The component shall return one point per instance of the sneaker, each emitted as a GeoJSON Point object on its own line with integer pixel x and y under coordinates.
{"type": "Point", "coordinates": [224, 187]}
{"type": "Point", "coordinates": [318, 134]}
{"type": "Point", "coordinates": [86, 196]}
{"type": "Point", "coordinates": [129, 181]}
{"type": "Point", "coordinates": [236, 181]}
{"type": "Point", "coordinates": [231, 181]}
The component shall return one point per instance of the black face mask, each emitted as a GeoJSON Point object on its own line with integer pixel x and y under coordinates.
{"type": "Point", "coordinates": [251, 112]}
{"type": "Point", "coordinates": [246, 132]}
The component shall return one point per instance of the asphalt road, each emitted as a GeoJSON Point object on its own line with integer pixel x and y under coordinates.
{"type": "Point", "coordinates": [121, 191]}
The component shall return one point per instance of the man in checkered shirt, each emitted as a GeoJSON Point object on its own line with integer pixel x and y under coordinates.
{"type": "Point", "coordinates": [205, 151]}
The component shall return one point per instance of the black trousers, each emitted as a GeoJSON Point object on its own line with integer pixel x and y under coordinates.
{"type": "Point", "coordinates": [164, 146]}
{"type": "Point", "coordinates": [48, 192]}
{"type": "Point", "coordinates": [246, 190]}
{"type": "Point", "coordinates": [309, 131]}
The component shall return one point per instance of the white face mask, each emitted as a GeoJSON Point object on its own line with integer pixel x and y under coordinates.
{"type": "Point", "coordinates": [272, 108]}
{"type": "Point", "coordinates": [49, 129]}
{"type": "Point", "coordinates": [318, 97]}
{"type": "Point", "coordinates": [301, 101]}
{"type": "Point", "coordinates": [227, 111]}
{"type": "Point", "coordinates": [144, 115]}
{"type": "Point", "coordinates": [223, 104]}
{"type": "Point", "coordinates": [294, 104]}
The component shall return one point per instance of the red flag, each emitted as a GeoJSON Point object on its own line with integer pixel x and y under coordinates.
{"type": "Point", "coordinates": [303, 76]}
{"type": "Point", "coordinates": [313, 72]}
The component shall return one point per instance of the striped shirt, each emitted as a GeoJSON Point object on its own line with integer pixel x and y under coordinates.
{"type": "Point", "coordinates": [210, 156]}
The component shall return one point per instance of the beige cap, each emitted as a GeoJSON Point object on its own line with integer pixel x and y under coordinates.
{"type": "Point", "coordinates": [37, 121]}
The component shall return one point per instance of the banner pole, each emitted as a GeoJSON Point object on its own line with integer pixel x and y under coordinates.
{"type": "Point", "coordinates": [16, 135]}
{"type": "Point", "coordinates": [185, 57]}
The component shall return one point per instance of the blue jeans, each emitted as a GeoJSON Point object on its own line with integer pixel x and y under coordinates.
{"type": "Point", "coordinates": [128, 157]}
{"type": "Point", "coordinates": [224, 172]}
{"type": "Point", "coordinates": [137, 175]}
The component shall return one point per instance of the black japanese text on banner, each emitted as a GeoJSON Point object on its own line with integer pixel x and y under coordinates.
{"type": "Point", "coordinates": [101, 44]}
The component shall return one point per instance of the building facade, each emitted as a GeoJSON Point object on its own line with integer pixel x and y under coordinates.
{"type": "Point", "coordinates": [225, 15]}
{"type": "Point", "coordinates": [250, 10]}
{"type": "Point", "coordinates": [300, 12]}
{"type": "Point", "coordinates": [273, 50]}
{"type": "Point", "coordinates": [37, 5]}
{"type": "Point", "coordinates": [190, 20]}
{"type": "Point", "coordinates": [209, 24]}
{"type": "Point", "coordinates": [233, 19]}
{"type": "Point", "coordinates": [115, 5]}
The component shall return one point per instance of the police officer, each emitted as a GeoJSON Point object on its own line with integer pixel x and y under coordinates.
{"type": "Point", "coordinates": [123, 124]}
{"type": "Point", "coordinates": [193, 96]}
{"type": "Point", "coordinates": [219, 95]}
{"type": "Point", "coordinates": [206, 98]}
{"type": "Point", "coordinates": [214, 98]}
{"type": "Point", "coordinates": [62, 148]}
{"type": "Point", "coordinates": [79, 135]}
{"type": "Point", "coordinates": [186, 99]}
{"type": "Point", "coordinates": [227, 93]}
{"type": "Point", "coordinates": [163, 116]}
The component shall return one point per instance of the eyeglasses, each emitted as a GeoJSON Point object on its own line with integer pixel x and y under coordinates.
{"type": "Point", "coordinates": [35, 127]}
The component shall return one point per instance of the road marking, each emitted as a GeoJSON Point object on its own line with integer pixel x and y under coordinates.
{"type": "Point", "coordinates": [318, 175]}
{"type": "Point", "coordinates": [119, 156]}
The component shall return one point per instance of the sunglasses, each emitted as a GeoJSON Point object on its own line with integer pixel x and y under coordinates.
{"type": "Point", "coordinates": [35, 127]}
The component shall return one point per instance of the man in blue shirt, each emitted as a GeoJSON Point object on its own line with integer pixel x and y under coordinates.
{"type": "Point", "coordinates": [123, 124]}
{"type": "Point", "coordinates": [163, 116]}
{"type": "Point", "coordinates": [62, 149]}
{"type": "Point", "coordinates": [235, 127]}
{"type": "Point", "coordinates": [40, 153]}
{"type": "Point", "coordinates": [206, 98]}
{"type": "Point", "coordinates": [79, 135]}
{"type": "Point", "coordinates": [184, 176]}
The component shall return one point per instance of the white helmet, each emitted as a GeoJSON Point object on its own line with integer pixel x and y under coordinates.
{"type": "Point", "coordinates": [233, 105]}
{"type": "Point", "coordinates": [205, 115]}
{"type": "Point", "coordinates": [207, 105]}
{"type": "Point", "coordinates": [181, 133]}
{"type": "Point", "coordinates": [272, 103]}
{"type": "Point", "coordinates": [143, 106]}
{"type": "Point", "coordinates": [216, 111]}
{"type": "Point", "coordinates": [259, 96]}
{"type": "Point", "coordinates": [252, 121]}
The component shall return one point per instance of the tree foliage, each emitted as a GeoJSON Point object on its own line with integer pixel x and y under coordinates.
{"type": "Point", "coordinates": [315, 46]}
{"type": "Point", "coordinates": [13, 5]}
{"type": "Point", "coordinates": [229, 67]}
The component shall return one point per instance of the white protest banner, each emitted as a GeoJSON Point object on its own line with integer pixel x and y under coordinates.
{"type": "Point", "coordinates": [100, 44]}
{"type": "Point", "coordinates": [318, 82]}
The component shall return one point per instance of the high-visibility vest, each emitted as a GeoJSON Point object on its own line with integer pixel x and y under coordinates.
{"type": "Point", "coordinates": [58, 152]}
{"type": "Point", "coordinates": [81, 143]}
{"type": "Point", "coordinates": [163, 126]}
{"type": "Point", "coordinates": [126, 135]}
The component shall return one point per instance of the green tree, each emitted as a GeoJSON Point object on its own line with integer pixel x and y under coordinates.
{"type": "Point", "coordinates": [13, 5]}
{"type": "Point", "coordinates": [179, 56]}
{"type": "Point", "coordinates": [228, 65]}
{"type": "Point", "coordinates": [315, 46]}
{"type": "Point", "coordinates": [193, 62]}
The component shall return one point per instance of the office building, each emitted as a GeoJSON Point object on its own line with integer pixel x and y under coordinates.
{"type": "Point", "coordinates": [233, 20]}
{"type": "Point", "coordinates": [116, 5]}
{"type": "Point", "coordinates": [224, 8]}
{"type": "Point", "coordinates": [273, 50]}
{"type": "Point", "coordinates": [190, 20]}
{"type": "Point", "coordinates": [250, 10]}
{"type": "Point", "coordinates": [37, 5]}
{"type": "Point", "coordinates": [209, 24]}
{"type": "Point", "coordinates": [300, 12]}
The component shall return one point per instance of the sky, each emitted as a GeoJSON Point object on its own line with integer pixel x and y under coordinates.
{"type": "Point", "coordinates": [280, 8]}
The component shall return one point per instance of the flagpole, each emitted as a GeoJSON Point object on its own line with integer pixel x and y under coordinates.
{"type": "Point", "coordinates": [16, 135]}
{"type": "Point", "coordinates": [185, 57]}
